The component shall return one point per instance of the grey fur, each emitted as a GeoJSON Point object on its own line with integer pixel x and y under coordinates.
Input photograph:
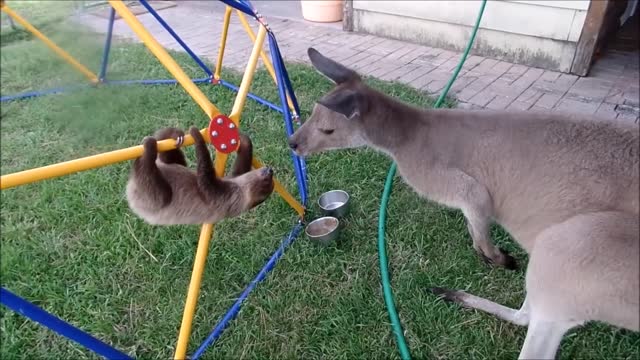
{"type": "Point", "coordinates": [565, 187]}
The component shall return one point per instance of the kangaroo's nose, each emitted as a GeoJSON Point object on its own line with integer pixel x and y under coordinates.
{"type": "Point", "coordinates": [267, 171]}
{"type": "Point", "coordinates": [293, 145]}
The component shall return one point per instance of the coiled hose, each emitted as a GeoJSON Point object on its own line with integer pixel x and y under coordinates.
{"type": "Point", "coordinates": [382, 252]}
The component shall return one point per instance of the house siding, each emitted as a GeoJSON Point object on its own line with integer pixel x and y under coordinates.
{"type": "Point", "coordinates": [534, 33]}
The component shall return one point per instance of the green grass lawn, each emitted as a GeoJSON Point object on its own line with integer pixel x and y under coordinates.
{"type": "Point", "coordinates": [71, 245]}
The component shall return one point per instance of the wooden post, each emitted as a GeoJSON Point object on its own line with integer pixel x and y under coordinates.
{"type": "Point", "coordinates": [588, 38]}
{"type": "Point", "coordinates": [347, 17]}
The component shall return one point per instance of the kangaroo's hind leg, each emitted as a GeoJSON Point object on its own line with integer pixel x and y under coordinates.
{"type": "Point", "coordinates": [462, 298]}
{"type": "Point", "coordinates": [175, 156]}
{"type": "Point", "coordinates": [543, 335]}
{"type": "Point", "coordinates": [544, 338]}
{"type": "Point", "coordinates": [580, 270]}
{"type": "Point", "coordinates": [149, 178]}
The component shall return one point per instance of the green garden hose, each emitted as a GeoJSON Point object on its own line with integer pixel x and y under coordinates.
{"type": "Point", "coordinates": [382, 252]}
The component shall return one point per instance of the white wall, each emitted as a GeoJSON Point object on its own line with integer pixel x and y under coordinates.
{"type": "Point", "coordinates": [535, 32]}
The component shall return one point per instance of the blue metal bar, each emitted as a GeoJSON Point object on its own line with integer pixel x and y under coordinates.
{"type": "Point", "coordinates": [153, 82]}
{"type": "Point", "coordinates": [195, 57]}
{"type": "Point", "coordinates": [240, 5]}
{"type": "Point", "coordinates": [278, 65]}
{"type": "Point", "coordinates": [35, 313]}
{"type": "Point", "coordinates": [37, 93]}
{"type": "Point", "coordinates": [294, 100]}
{"type": "Point", "coordinates": [287, 81]}
{"type": "Point", "coordinates": [235, 308]}
{"type": "Point", "coordinates": [108, 82]}
{"type": "Point", "coordinates": [252, 96]}
{"type": "Point", "coordinates": [298, 166]}
{"type": "Point", "coordinates": [107, 46]}
{"type": "Point", "coordinates": [249, 5]}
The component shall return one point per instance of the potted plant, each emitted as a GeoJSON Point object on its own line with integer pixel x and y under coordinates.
{"type": "Point", "coordinates": [322, 10]}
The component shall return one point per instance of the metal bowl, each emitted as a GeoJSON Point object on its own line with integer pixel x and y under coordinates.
{"type": "Point", "coordinates": [334, 203]}
{"type": "Point", "coordinates": [323, 230]}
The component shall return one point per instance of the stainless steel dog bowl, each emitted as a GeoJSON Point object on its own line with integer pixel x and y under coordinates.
{"type": "Point", "coordinates": [323, 230]}
{"type": "Point", "coordinates": [334, 203]}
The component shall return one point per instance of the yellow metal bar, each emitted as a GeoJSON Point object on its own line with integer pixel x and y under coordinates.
{"type": "Point", "coordinates": [63, 54]}
{"type": "Point", "coordinates": [194, 290]}
{"type": "Point", "coordinates": [236, 112]}
{"type": "Point", "coordinates": [207, 229]}
{"type": "Point", "coordinates": [241, 97]}
{"type": "Point", "coordinates": [249, 72]}
{"type": "Point", "coordinates": [223, 41]}
{"type": "Point", "coordinates": [205, 234]}
{"type": "Point", "coordinates": [280, 189]}
{"type": "Point", "coordinates": [164, 57]}
{"type": "Point", "coordinates": [85, 163]}
{"type": "Point", "coordinates": [219, 163]}
{"type": "Point", "coordinates": [258, 42]}
{"type": "Point", "coordinates": [263, 55]}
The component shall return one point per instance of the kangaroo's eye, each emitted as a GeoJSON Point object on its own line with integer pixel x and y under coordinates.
{"type": "Point", "coordinates": [327, 131]}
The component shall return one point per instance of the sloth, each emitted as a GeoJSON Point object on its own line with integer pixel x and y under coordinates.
{"type": "Point", "coordinates": [162, 190]}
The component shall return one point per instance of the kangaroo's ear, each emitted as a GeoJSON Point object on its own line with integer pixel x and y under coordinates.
{"type": "Point", "coordinates": [347, 102]}
{"type": "Point", "coordinates": [336, 72]}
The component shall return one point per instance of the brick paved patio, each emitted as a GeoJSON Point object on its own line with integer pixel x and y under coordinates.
{"type": "Point", "coordinates": [611, 90]}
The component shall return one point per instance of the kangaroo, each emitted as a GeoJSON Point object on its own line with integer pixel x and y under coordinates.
{"type": "Point", "coordinates": [565, 187]}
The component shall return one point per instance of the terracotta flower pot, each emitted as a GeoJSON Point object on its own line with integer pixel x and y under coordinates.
{"type": "Point", "coordinates": [322, 10]}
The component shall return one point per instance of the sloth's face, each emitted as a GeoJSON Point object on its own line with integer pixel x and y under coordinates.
{"type": "Point", "coordinates": [257, 186]}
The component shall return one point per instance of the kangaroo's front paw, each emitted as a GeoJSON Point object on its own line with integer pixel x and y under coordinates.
{"type": "Point", "coordinates": [502, 258]}
{"type": "Point", "coordinates": [508, 261]}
